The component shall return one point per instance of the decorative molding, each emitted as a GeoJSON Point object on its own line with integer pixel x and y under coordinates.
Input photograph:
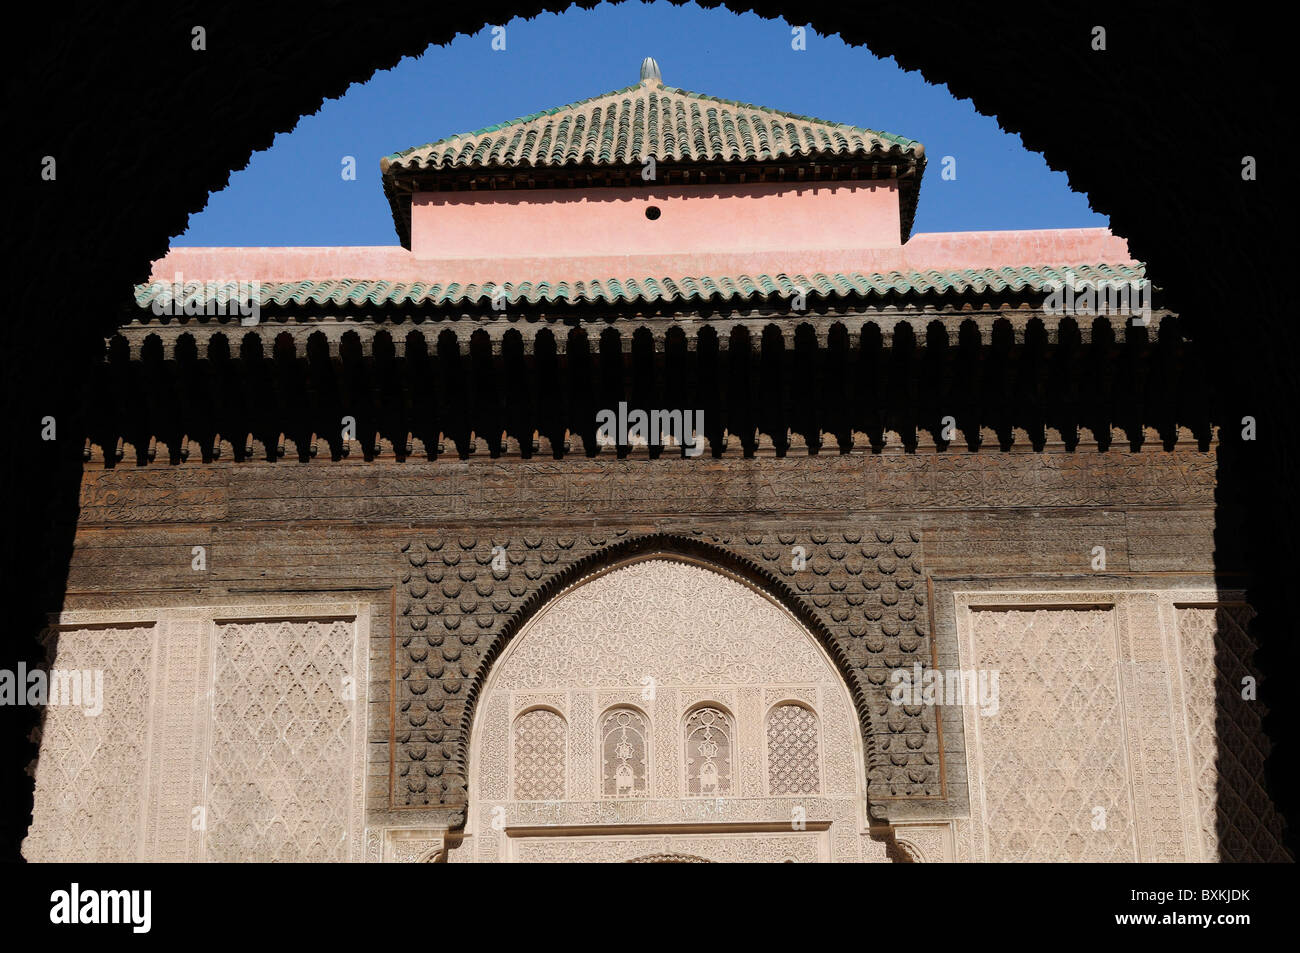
{"type": "Point", "coordinates": [926, 843]}
{"type": "Point", "coordinates": [414, 846]}
{"type": "Point", "coordinates": [805, 847]}
{"type": "Point", "coordinates": [533, 490]}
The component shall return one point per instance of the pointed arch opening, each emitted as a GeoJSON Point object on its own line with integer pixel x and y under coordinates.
{"type": "Point", "coordinates": [666, 666]}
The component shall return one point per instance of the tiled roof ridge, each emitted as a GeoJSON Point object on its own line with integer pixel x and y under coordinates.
{"type": "Point", "coordinates": [901, 141]}
{"type": "Point", "coordinates": [378, 291]}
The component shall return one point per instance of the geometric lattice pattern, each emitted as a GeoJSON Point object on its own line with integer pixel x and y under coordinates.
{"type": "Point", "coordinates": [280, 765]}
{"type": "Point", "coordinates": [1120, 730]}
{"type": "Point", "coordinates": [91, 770]}
{"type": "Point", "coordinates": [709, 740]}
{"type": "Point", "coordinates": [218, 739]}
{"type": "Point", "coordinates": [539, 768]}
{"type": "Point", "coordinates": [1237, 818]}
{"type": "Point", "coordinates": [792, 762]}
{"type": "Point", "coordinates": [624, 761]}
{"type": "Point", "coordinates": [1055, 783]}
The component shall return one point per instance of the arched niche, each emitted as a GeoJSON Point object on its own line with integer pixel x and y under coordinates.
{"type": "Point", "coordinates": [665, 636]}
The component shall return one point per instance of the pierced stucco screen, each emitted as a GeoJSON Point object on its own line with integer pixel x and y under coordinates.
{"type": "Point", "coordinates": [697, 716]}
{"type": "Point", "coordinates": [226, 734]}
{"type": "Point", "coordinates": [1106, 729]}
{"type": "Point", "coordinates": [624, 752]}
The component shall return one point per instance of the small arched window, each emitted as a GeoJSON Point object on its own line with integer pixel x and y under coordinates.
{"type": "Point", "coordinates": [624, 753]}
{"type": "Point", "coordinates": [793, 761]}
{"type": "Point", "coordinates": [710, 749]}
{"type": "Point", "coordinates": [540, 746]}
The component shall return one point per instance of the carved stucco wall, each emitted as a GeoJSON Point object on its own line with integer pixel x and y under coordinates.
{"type": "Point", "coordinates": [1224, 735]}
{"type": "Point", "coordinates": [862, 585]}
{"type": "Point", "coordinates": [90, 790]}
{"type": "Point", "coordinates": [664, 637]}
{"type": "Point", "coordinates": [1104, 747]}
{"type": "Point", "coordinates": [1126, 700]}
{"type": "Point", "coordinates": [225, 735]}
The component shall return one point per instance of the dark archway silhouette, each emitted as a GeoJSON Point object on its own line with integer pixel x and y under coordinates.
{"type": "Point", "coordinates": [1154, 130]}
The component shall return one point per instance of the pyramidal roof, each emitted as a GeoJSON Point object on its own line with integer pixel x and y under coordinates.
{"type": "Point", "coordinates": [622, 129]}
{"type": "Point", "coordinates": [650, 120]}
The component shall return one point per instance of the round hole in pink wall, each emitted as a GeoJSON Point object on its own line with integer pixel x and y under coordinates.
{"type": "Point", "coordinates": [652, 212]}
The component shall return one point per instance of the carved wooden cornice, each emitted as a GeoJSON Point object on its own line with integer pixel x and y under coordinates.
{"type": "Point", "coordinates": [821, 383]}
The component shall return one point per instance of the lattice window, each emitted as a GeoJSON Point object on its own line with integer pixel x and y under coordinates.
{"type": "Point", "coordinates": [710, 739]}
{"type": "Point", "coordinates": [624, 753]}
{"type": "Point", "coordinates": [541, 738]}
{"type": "Point", "coordinates": [793, 765]}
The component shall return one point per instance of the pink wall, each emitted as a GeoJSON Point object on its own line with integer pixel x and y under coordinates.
{"type": "Point", "coordinates": [694, 219]}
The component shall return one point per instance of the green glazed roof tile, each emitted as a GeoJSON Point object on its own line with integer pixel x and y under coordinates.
{"type": "Point", "coordinates": [376, 293]}
{"type": "Point", "coordinates": [628, 126]}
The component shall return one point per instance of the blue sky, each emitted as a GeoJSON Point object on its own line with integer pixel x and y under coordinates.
{"type": "Point", "coordinates": [294, 194]}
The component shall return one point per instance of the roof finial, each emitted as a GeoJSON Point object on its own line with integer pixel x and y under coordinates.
{"type": "Point", "coordinates": [650, 71]}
